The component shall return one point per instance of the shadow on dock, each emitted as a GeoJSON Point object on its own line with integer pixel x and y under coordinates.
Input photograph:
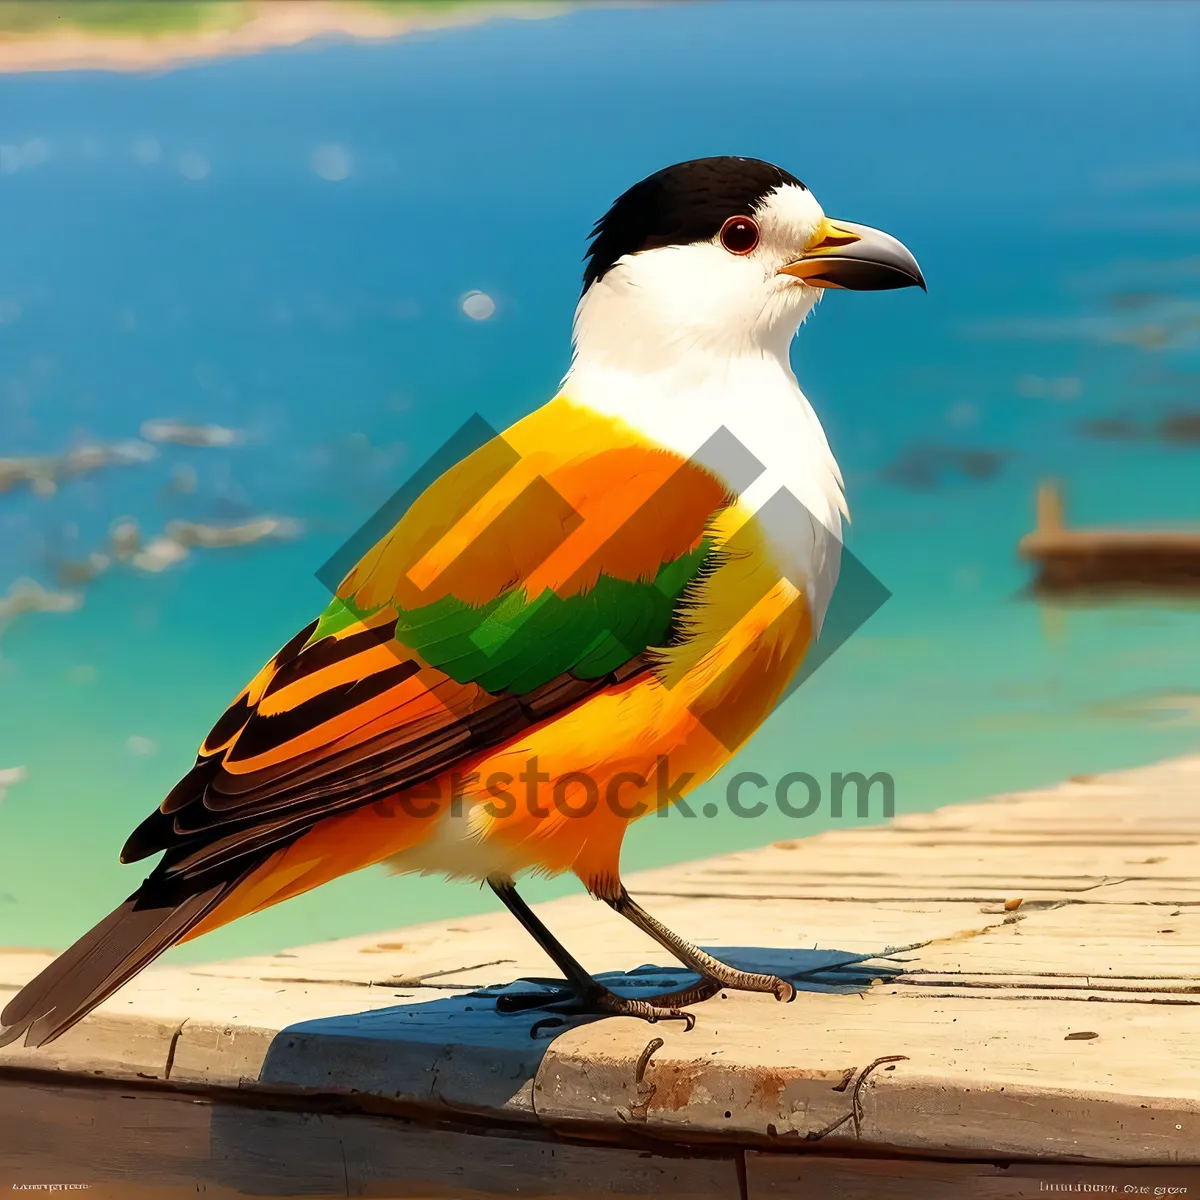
{"type": "Point", "coordinates": [460, 1050]}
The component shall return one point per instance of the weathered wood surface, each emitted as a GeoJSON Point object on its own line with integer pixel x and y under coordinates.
{"type": "Point", "coordinates": [1034, 988]}
{"type": "Point", "coordinates": [171, 1144]}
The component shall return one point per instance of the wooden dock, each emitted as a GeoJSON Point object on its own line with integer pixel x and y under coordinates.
{"type": "Point", "coordinates": [1107, 560]}
{"type": "Point", "coordinates": [994, 996]}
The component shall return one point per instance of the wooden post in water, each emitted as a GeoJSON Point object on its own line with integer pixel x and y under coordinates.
{"type": "Point", "coordinates": [1049, 508]}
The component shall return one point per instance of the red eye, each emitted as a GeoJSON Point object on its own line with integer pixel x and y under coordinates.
{"type": "Point", "coordinates": [739, 235]}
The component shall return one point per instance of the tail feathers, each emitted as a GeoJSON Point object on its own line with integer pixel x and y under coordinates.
{"type": "Point", "coordinates": [132, 936]}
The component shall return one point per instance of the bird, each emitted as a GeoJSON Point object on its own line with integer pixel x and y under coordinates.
{"type": "Point", "coordinates": [578, 622]}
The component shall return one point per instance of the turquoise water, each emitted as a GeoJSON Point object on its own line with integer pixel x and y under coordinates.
{"type": "Point", "coordinates": [174, 248]}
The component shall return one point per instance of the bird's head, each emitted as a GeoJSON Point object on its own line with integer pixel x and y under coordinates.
{"type": "Point", "coordinates": [725, 254]}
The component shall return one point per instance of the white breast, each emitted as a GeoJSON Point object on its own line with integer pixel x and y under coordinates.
{"type": "Point", "coordinates": [756, 399]}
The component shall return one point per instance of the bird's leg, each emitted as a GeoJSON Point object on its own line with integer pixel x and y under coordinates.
{"type": "Point", "coordinates": [562, 958]}
{"type": "Point", "coordinates": [695, 958]}
{"type": "Point", "coordinates": [583, 994]}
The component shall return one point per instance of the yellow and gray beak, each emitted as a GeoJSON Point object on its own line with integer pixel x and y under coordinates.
{"type": "Point", "coordinates": [843, 255]}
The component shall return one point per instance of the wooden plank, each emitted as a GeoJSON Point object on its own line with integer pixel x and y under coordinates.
{"type": "Point", "coordinates": [997, 1079]}
{"type": "Point", "coordinates": [128, 1143]}
{"type": "Point", "coordinates": [791, 1175]}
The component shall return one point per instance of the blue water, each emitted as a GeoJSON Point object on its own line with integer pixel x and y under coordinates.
{"type": "Point", "coordinates": [169, 251]}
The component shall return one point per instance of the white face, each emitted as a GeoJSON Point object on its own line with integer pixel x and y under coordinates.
{"type": "Point", "coordinates": [703, 296]}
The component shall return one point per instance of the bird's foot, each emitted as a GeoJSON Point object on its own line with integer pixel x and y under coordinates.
{"type": "Point", "coordinates": [746, 981]}
{"type": "Point", "coordinates": [565, 1002]}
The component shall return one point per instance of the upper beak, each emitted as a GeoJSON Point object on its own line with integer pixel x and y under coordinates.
{"type": "Point", "coordinates": [843, 255]}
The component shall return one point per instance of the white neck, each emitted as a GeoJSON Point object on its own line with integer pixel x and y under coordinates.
{"type": "Point", "coordinates": [678, 385]}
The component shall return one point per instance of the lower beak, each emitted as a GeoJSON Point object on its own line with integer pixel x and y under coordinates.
{"type": "Point", "coordinates": [843, 255]}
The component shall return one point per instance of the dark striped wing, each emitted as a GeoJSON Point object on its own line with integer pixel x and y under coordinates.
{"type": "Point", "coordinates": [327, 726]}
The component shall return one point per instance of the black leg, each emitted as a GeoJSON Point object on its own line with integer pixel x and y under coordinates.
{"type": "Point", "coordinates": [582, 995]}
{"type": "Point", "coordinates": [562, 958]}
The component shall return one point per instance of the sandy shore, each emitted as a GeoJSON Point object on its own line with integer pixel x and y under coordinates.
{"type": "Point", "coordinates": [248, 28]}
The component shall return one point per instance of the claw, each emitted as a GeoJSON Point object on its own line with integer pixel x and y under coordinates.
{"type": "Point", "coordinates": [688, 1019]}
{"type": "Point", "coordinates": [566, 1002]}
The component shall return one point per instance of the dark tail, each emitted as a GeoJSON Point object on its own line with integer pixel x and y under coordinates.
{"type": "Point", "coordinates": [154, 918]}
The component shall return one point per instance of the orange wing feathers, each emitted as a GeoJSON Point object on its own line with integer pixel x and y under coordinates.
{"type": "Point", "coordinates": [581, 495]}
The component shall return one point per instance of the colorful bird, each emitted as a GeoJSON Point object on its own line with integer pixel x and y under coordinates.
{"type": "Point", "coordinates": [577, 623]}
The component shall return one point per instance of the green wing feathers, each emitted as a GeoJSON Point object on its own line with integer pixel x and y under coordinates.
{"type": "Point", "coordinates": [516, 644]}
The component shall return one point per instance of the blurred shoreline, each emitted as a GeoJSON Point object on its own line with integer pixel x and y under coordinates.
{"type": "Point", "coordinates": [72, 40]}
